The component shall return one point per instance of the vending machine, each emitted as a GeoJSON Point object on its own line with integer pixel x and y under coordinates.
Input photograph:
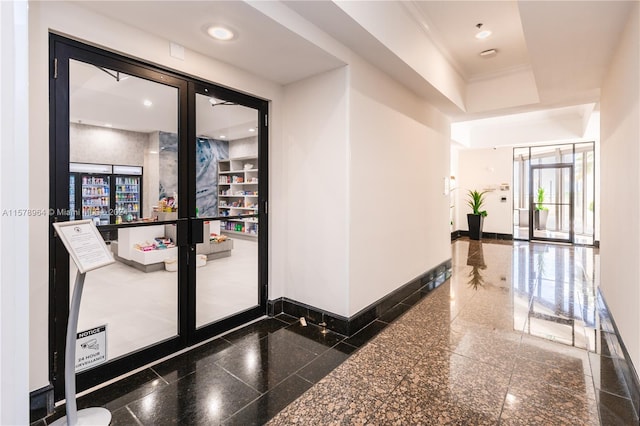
{"type": "Point", "coordinates": [105, 193]}
{"type": "Point", "coordinates": [72, 198]}
{"type": "Point", "coordinates": [127, 193]}
{"type": "Point", "coordinates": [96, 203]}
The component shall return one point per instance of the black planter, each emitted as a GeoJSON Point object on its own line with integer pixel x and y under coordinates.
{"type": "Point", "coordinates": [475, 222]}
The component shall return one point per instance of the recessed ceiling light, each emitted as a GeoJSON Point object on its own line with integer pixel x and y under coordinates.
{"type": "Point", "coordinates": [223, 137]}
{"type": "Point", "coordinates": [108, 125]}
{"type": "Point", "coordinates": [488, 53]}
{"type": "Point", "coordinates": [220, 33]}
{"type": "Point", "coordinates": [252, 129]}
{"type": "Point", "coordinates": [147, 103]}
{"type": "Point", "coordinates": [481, 35]}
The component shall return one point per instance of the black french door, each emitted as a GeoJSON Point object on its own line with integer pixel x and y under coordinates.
{"type": "Point", "coordinates": [551, 203]}
{"type": "Point", "coordinates": [177, 256]}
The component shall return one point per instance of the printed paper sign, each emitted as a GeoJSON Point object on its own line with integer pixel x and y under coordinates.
{"type": "Point", "coordinates": [91, 348]}
{"type": "Point", "coordinates": [84, 243]}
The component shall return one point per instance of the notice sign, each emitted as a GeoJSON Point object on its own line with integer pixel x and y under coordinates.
{"type": "Point", "coordinates": [85, 244]}
{"type": "Point", "coordinates": [91, 348]}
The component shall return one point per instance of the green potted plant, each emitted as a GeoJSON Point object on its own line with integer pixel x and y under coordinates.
{"type": "Point", "coordinates": [475, 220]}
{"type": "Point", "coordinates": [541, 213]}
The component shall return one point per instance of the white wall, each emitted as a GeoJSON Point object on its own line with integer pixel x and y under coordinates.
{"type": "Point", "coordinates": [79, 23]}
{"type": "Point", "coordinates": [93, 144]}
{"type": "Point", "coordinates": [454, 160]}
{"type": "Point", "coordinates": [551, 126]}
{"type": "Point", "coordinates": [359, 148]}
{"type": "Point", "coordinates": [14, 231]}
{"type": "Point", "coordinates": [513, 89]}
{"type": "Point", "coordinates": [398, 214]}
{"type": "Point", "coordinates": [402, 35]}
{"type": "Point", "coordinates": [316, 182]}
{"type": "Point", "coordinates": [620, 187]}
{"type": "Point", "coordinates": [486, 168]}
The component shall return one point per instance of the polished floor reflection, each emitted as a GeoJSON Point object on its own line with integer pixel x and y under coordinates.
{"type": "Point", "coordinates": [513, 338]}
{"type": "Point", "coordinates": [517, 336]}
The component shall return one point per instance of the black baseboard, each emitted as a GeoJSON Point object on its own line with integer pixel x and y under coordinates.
{"type": "Point", "coordinates": [348, 326]}
{"type": "Point", "coordinates": [496, 236]}
{"type": "Point", "coordinates": [623, 360]}
{"type": "Point", "coordinates": [485, 235]}
{"type": "Point", "coordinates": [41, 403]}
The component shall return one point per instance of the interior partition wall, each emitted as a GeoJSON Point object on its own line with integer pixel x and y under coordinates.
{"type": "Point", "coordinates": [144, 153]}
{"type": "Point", "coordinates": [554, 193]}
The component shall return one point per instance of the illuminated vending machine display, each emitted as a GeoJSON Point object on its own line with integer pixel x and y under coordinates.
{"type": "Point", "coordinates": [104, 193]}
{"type": "Point", "coordinates": [72, 197]}
{"type": "Point", "coordinates": [127, 199]}
{"type": "Point", "coordinates": [95, 205]}
{"type": "Point", "coordinates": [127, 194]}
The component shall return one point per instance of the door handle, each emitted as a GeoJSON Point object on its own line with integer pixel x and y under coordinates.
{"type": "Point", "coordinates": [189, 232]}
{"type": "Point", "coordinates": [196, 231]}
{"type": "Point", "coordinates": [182, 232]}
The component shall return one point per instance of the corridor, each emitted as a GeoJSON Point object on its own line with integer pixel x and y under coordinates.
{"type": "Point", "coordinates": [512, 338]}
{"type": "Point", "coordinates": [516, 336]}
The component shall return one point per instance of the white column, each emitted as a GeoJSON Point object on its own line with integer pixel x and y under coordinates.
{"type": "Point", "coordinates": [14, 228]}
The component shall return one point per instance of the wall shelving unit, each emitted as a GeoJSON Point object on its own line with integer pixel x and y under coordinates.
{"type": "Point", "coordinates": [238, 195]}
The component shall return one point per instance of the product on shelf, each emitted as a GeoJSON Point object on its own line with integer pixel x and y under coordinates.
{"type": "Point", "coordinates": [238, 195]}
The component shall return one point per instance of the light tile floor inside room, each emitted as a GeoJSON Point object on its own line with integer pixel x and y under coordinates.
{"type": "Point", "coordinates": [120, 295]}
{"type": "Point", "coordinates": [516, 336]}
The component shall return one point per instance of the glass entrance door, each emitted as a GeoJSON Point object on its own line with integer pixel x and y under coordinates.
{"type": "Point", "coordinates": [173, 174]}
{"type": "Point", "coordinates": [551, 202]}
{"type": "Point", "coordinates": [116, 163]}
{"type": "Point", "coordinates": [229, 203]}
{"type": "Point", "coordinates": [554, 193]}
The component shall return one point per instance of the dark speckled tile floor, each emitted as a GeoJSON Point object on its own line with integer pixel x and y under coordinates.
{"type": "Point", "coordinates": [516, 336]}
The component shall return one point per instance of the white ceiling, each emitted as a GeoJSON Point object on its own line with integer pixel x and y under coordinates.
{"type": "Point", "coordinates": [562, 48]}
{"type": "Point", "coordinates": [262, 46]}
{"type": "Point", "coordinates": [98, 98]}
{"type": "Point", "coordinates": [452, 25]}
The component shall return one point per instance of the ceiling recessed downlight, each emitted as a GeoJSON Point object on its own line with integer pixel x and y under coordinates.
{"type": "Point", "coordinates": [252, 129]}
{"type": "Point", "coordinates": [147, 103]}
{"type": "Point", "coordinates": [481, 35]}
{"type": "Point", "coordinates": [223, 136]}
{"type": "Point", "coordinates": [220, 33]}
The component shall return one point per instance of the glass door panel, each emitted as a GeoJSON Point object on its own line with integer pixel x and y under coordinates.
{"type": "Point", "coordinates": [227, 172]}
{"type": "Point", "coordinates": [567, 208]}
{"type": "Point", "coordinates": [551, 203]}
{"type": "Point", "coordinates": [131, 143]}
{"type": "Point", "coordinates": [553, 154]}
{"type": "Point", "coordinates": [123, 165]}
{"type": "Point", "coordinates": [584, 200]}
{"type": "Point", "coordinates": [521, 193]}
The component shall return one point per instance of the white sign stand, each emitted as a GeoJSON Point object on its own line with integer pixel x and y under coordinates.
{"type": "Point", "coordinates": [88, 251]}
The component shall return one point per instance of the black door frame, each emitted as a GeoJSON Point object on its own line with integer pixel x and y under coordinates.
{"type": "Point", "coordinates": [532, 202]}
{"type": "Point", "coordinates": [61, 50]}
{"type": "Point", "coordinates": [208, 89]}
